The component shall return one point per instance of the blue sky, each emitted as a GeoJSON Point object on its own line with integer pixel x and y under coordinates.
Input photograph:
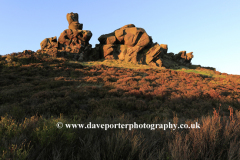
{"type": "Point", "coordinates": [208, 28]}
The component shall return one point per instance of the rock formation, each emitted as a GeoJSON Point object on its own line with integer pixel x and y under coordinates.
{"type": "Point", "coordinates": [72, 42]}
{"type": "Point", "coordinates": [48, 43]}
{"type": "Point", "coordinates": [128, 43]}
{"type": "Point", "coordinates": [72, 19]}
{"type": "Point", "coordinates": [182, 57]}
{"type": "Point", "coordinates": [124, 43]}
{"type": "Point", "coordinates": [133, 44]}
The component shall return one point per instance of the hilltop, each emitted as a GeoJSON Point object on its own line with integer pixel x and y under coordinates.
{"type": "Point", "coordinates": [37, 91]}
{"type": "Point", "coordinates": [125, 79]}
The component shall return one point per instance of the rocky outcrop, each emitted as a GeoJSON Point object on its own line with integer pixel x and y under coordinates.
{"type": "Point", "coordinates": [132, 44]}
{"type": "Point", "coordinates": [184, 58]}
{"type": "Point", "coordinates": [128, 43]}
{"type": "Point", "coordinates": [75, 42]}
{"type": "Point", "coordinates": [154, 54]}
{"type": "Point", "coordinates": [72, 43]}
{"type": "Point", "coordinates": [49, 46]}
{"type": "Point", "coordinates": [48, 43]}
{"type": "Point", "coordinates": [125, 43]}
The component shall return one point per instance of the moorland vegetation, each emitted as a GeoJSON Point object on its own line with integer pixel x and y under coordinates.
{"type": "Point", "coordinates": [38, 91]}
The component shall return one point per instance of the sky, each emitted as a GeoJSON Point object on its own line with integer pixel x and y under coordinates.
{"type": "Point", "coordinates": [208, 28]}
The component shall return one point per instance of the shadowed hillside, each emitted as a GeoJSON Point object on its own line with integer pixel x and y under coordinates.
{"type": "Point", "coordinates": [38, 91]}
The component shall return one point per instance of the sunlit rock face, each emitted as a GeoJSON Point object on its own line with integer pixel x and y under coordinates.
{"type": "Point", "coordinates": [72, 19]}
{"type": "Point", "coordinates": [128, 43]}
{"type": "Point", "coordinates": [132, 44]}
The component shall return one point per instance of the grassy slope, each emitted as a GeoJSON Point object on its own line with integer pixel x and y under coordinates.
{"type": "Point", "coordinates": [41, 89]}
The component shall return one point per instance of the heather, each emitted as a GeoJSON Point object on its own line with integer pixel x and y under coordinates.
{"type": "Point", "coordinates": [37, 91]}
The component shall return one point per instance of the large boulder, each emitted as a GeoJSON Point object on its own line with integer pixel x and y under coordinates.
{"type": "Point", "coordinates": [136, 37]}
{"type": "Point", "coordinates": [132, 54]}
{"type": "Point", "coordinates": [73, 42]}
{"type": "Point", "coordinates": [72, 19]}
{"type": "Point", "coordinates": [183, 57]}
{"type": "Point", "coordinates": [155, 52]}
{"type": "Point", "coordinates": [49, 43]}
{"type": "Point", "coordinates": [49, 46]}
{"type": "Point", "coordinates": [108, 50]}
{"type": "Point", "coordinates": [107, 39]}
{"type": "Point", "coordinates": [124, 43]}
{"type": "Point", "coordinates": [74, 39]}
{"type": "Point", "coordinates": [120, 33]}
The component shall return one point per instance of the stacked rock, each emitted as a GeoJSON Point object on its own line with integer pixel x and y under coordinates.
{"type": "Point", "coordinates": [128, 43]}
{"type": "Point", "coordinates": [73, 42]}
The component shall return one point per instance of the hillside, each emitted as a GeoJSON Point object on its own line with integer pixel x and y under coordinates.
{"type": "Point", "coordinates": [37, 91]}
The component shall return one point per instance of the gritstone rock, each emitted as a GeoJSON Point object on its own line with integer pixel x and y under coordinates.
{"type": "Point", "coordinates": [132, 44]}
{"type": "Point", "coordinates": [124, 43]}
{"type": "Point", "coordinates": [72, 19]}
{"type": "Point", "coordinates": [72, 42]}
{"type": "Point", "coordinates": [128, 43]}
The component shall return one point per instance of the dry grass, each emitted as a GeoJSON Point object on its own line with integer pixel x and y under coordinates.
{"type": "Point", "coordinates": [37, 92]}
{"type": "Point", "coordinates": [116, 63]}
